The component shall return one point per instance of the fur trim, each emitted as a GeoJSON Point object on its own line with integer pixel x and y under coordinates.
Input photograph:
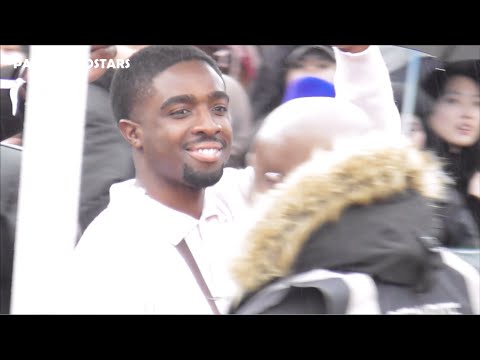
{"type": "Point", "coordinates": [359, 172]}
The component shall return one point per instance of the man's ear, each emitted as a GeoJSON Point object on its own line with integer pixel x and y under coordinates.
{"type": "Point", "coordinates": [132, 132]}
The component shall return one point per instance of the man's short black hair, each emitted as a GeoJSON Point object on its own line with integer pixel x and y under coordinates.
{"type": "Point", "coordinates": [133, 84]}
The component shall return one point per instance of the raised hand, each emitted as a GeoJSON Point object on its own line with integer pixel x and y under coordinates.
{"type": "Point", "coordinates": [352, 48]}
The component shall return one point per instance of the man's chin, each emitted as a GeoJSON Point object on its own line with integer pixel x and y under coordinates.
{"type": "Point", "coordinates": [201, 179]}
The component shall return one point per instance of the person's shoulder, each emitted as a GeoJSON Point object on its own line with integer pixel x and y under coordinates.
{"type": "Point", "coordinates": [108, 239]}
{"type": "Point", "coordinates": [100, 230]}
{"type": "Point", "coordinates": [113, 219]}
{"type": "Point", "coordinates": [128, 213]}
{"type": "Point", "coordinates": [122, 191]}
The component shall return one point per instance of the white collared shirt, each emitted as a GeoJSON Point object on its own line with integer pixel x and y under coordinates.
{"type": "Point", "coordinates": [126, 261]}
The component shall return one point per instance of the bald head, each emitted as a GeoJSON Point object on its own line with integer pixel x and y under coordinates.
{"type": "Point", "coordinates": [323, 117]}
{"type": "Point", "coordinates": [292, 131]}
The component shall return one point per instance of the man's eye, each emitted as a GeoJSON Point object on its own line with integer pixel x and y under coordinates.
{"type": "Point", "coordinates": [220, 109]}
{"type": "Point", "coordinates": [179, 113]}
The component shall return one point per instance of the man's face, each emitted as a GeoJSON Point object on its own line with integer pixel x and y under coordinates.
{"type": "Point", "coordinates": [273, 161]}
{"type": "Point", "coordinates": [295, 129]}
{"type": "Point", "coordinates": [185, 133]}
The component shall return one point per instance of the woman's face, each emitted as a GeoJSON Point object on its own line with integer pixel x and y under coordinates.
{"type": "Point", "coordinates": [455, 115]}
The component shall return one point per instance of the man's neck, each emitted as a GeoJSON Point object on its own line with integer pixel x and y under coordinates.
{"type": "Point", "coordinates": [177, 196]}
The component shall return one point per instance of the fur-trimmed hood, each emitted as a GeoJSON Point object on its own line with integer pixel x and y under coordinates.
{"type": "Point", "coordinates": [362, 207]}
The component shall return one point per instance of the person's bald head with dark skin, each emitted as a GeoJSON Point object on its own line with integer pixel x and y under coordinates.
{"type": "Point", "coordinates": [293, 130]}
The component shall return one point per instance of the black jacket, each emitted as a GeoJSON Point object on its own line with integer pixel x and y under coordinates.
{"type": "Point", "coordinates": [359, 238]}
{"type": "Point", "coordinates": [460, 228]}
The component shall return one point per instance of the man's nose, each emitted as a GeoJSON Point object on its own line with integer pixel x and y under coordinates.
{"type": "Point", "coordinates": [206, 124]}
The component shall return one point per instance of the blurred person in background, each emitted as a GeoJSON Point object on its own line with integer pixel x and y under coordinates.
{"type": "Point", "coordinates": [363, 79]}
{"type": "Point", "coordinates": [351, 229]}
{"type": "Point", "coordinates": [412, 123]}
{"type": "Point", "coordinates": [256, 270]}
{"type": "Point", "coordinates": [460, 228]}
{"type": "Point", "coordinates": [238, 61]}
{"type": "Point", "coordinates": [284, 64]}
{"type": "Point", "coordinates": [242, 121]}
{"type": "Point", "coordinates": [12, 98]}
{"type": "Point", "coordinates": [310, 60]}
{"type": "Point", "coordinates": [453, 127]}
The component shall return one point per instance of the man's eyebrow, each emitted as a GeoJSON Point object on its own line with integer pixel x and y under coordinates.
{"type": "Point", "coordinates": [219, 95]}
{"type": "Point", "coordinates": [180, 99]}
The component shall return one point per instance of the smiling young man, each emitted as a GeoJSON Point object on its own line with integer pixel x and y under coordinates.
{"type": "Point", "coordinates": [180, 135]}
{"type": "Point", "coordinates": [172, 108]}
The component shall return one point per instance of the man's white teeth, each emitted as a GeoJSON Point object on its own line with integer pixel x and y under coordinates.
{"type": "Point", "coordinates": [208, 151]}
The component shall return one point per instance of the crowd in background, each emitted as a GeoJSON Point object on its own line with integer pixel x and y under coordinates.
{"type": "Point", "coordinates": [260, 79]}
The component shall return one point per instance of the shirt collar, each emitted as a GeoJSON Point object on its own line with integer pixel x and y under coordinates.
{"type": "Point", "coordinates": [156, 218]}
{"type": "Point", "coordinates": [175, 225]}
{"type": "Point", "coordinates": [213, 209]}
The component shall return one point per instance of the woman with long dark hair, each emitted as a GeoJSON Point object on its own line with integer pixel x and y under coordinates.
{"type": "Point", "coordinates": [453, 127]}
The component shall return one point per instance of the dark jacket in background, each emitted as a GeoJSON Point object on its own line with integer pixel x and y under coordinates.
{"type": "Point", "coordinates": [459, 227]}
{"type": "Point", "coordinates": [269, 85]}
{"type": "Point", "coordinates": [9, 124]}
{"type": "Point", "coordinates": [107, 157]}
{"type": "Point", "coordinates": [10, 163]}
